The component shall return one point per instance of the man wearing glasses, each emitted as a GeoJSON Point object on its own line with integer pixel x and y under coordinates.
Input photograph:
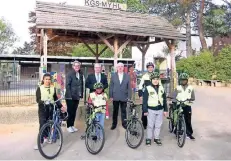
{"type": "Point", "coordinates": [74, 92]}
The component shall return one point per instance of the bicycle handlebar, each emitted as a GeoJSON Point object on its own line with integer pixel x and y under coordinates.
{"type": "Point", "coordinates": [179, 100]}
{"type": "Point", "coordinates": [132, 103]}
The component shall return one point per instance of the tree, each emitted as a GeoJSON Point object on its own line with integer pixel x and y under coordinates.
{"type": "Point", "coordinates": [7, 36]}
{"type": "Point", "coordinates": [215, 22]}
{"type": "Point", "coordinates": [200, 25]}
{"type": "Point", "coordinates": [178, 13]}
{"type": "Point", "coordinates": [27, 49]}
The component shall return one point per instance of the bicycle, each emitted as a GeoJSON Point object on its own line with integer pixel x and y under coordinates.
{"type": "Point", "coordinates": [94, 131]}
{"type": "Point", "coordinates": [179, 125]}
{"type": "Point", "coordinates": [134, 126]}
{"type": "Point", "coordinates": [52, 130]}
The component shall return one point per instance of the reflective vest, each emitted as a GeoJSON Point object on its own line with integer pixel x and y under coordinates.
{"type": "Point", "coordinates": [155, 98]}
{"type": "Point", "coordinates": [99, 100]}
{"type": "Point", "coordinates": [182, 94]}
{"type": "Point", "coordinates": [47, 93]}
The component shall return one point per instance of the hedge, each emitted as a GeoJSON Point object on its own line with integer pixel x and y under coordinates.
{"type": "Point", "coordinates": [206, 66]}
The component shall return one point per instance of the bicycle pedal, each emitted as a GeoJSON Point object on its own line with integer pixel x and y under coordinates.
{"type": "Point", "coordinates": [83, 137]}
{"type": "Point", "coordinates": [169, 118]}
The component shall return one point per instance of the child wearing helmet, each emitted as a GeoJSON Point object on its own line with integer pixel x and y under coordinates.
{"type": "Point", "coordinates": [154, 107]}
{"type": "Point", "coordinates": [99, 98]}
{"type": "Point", "coordinates": [145, 81]}
{"type": "Point", "coordinates": [181, 93]}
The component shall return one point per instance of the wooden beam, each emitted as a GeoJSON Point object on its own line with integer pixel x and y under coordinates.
{"type": "Point", "coordinates": [93, 52]}
{"type": "Point", "coordinates": [123, 45]}
{"type": "Point", "coordinates": [106, 42]}
{"type": "Point", "coordinates": [143, 49]}
{"type": "Point", "coordinates": [105, 48]}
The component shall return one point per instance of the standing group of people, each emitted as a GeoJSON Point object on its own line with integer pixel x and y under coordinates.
{"type": "Point", "coordinates": [151, 93]}
{"type": "Point", "coordinates": [119, 92]}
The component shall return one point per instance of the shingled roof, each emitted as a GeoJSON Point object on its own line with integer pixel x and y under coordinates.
{"type": "Point", "coordinates": [92, 19]}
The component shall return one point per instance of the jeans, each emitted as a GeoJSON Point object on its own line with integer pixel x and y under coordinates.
{"type": "Point", "coordinates": [100, 117]}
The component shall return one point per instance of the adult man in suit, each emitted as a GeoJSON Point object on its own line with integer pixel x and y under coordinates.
{"type": "Point", "coordinates": [96, 77]}
{"type": "Point", "coordinates": [74, 92]}
{"type": "Point", "coordinates": [119, 92]}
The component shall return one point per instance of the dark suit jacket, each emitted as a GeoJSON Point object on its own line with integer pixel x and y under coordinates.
{"type": "Point", "coordinates": [117, 91]}
{"type": "Point", "coordinates": [74, 86]}
{"type": "Point", "coordinates": [91, 80]}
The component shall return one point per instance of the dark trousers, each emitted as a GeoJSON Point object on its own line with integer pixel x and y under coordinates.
{"type": "Point", "coordinates": [123, 106]}
{"type": "Point", "coordinates": [144, 120]}
{"type": "Point", "coordinates": [187, 110]}
{"type": "Point", "coordinates": [72, 106]}
{"type": "Point", "coordinates": [44, 112]}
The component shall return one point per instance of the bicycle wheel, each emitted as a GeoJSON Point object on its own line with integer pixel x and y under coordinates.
{"type": "Point", "coordinates": [134, 134]}
{"type": "Point", "coordinates": [95, 138]}
{"type": "Point", "coordinates": [50, 134]}
{"type": "Point", "coordinates": [181, 131]}
{"type": "Point", "coordinates": [170, 122]}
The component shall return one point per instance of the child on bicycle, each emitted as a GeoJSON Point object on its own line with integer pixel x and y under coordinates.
{"type": "Point", "coordinates": [182, 93]}
{"type": "Point", "coordinates": [154, 107]}
{"type": "Point", "coordinates": [45, 92]}
{"type": "Point", "coordinates": [99, 98]}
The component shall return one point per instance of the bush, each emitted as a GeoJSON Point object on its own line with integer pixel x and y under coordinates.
{"type": "Point", "coordinates": [201, 66]}
{"type": "Point", "coordinates": [223, 64]}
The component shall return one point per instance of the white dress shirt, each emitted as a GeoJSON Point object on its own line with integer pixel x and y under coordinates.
{"type": "Point", "coordinates": [98, 77]}
{"type": "Point", "coordinates": [120, 77]}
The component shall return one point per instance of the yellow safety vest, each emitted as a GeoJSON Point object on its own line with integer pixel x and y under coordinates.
{"type": "Point", "coordinates": [99, 100]}
{"type": "Point", "coordinates": [47, 93]}
{"type": "Point", "coordinates": [155, 99]}
{"type": "Point", "coordinates": [182, 94]}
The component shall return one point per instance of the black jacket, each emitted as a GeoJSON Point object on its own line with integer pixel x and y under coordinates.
{"type": "Point", "coordinates": [74, 86]}
{"type": "Point", "coordinates": [91, 80]}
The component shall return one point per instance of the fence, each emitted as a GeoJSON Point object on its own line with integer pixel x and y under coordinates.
{"type": "Point", "coordinates": [17, 85]}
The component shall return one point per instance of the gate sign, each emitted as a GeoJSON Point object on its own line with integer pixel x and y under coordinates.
{"type": "Point", "coordinates": [105, 4]}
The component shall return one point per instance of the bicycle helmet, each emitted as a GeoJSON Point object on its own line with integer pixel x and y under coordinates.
{"type": "Point", "coordinates": [184, 76]}
{"type": "Point", "coordinates": [154, 75]}
{"type": "Point", "coordinates": [98, 85]}
{"type": "Point", "coordinates": [149, 64]}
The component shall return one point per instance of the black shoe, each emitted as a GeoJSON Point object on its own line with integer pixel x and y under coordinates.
{"type": "Point", "coordinates": [145, 127]}
{"type": "Point", "coordinates": [158, 142]}
{"type": "Point", "coordinates": [124, 126]}
{"type": "Point", "coordinates": [113, 127]}
{"type": "Point", "coordinates": [191, 137]}
{"type": "Point", "coordinates": [148, 142]}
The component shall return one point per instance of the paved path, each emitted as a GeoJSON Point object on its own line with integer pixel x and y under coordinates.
{"type": "Point", "coordinates": [211, 117]}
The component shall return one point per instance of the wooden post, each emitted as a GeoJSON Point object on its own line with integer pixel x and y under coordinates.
{"type": "Point", "coordinates": [115, 52]}
{"type": "Point", "coordinates": [41, 54]}
{"type": "Point", "coordinates": [171, 46]}
{"type": "Point", "coordinates": [97, 53]}
{"type": "Point", "coordinates": [45, 50]}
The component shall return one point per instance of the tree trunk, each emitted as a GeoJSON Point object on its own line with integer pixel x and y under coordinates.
{"type": "Point", "coordinates": [188, 33]}
{"type": "Point", "coordinates": [200, 25]}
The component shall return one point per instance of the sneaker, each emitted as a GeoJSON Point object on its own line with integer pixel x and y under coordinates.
{"type": "Point", "coordinates": [191, 137]}
{"type": "Point", "coordinates": [148, 142]}
{"type": "Point", "coordinates": [158, 142]}
{"type": "Point", "coordinates": [36, 147]}
{"type": "Point", "coordinates": [70, 130]}
{"type": "Point", "coordinates": [74, 129]}
{"type": "Point", "coordinates": [45, 140]}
